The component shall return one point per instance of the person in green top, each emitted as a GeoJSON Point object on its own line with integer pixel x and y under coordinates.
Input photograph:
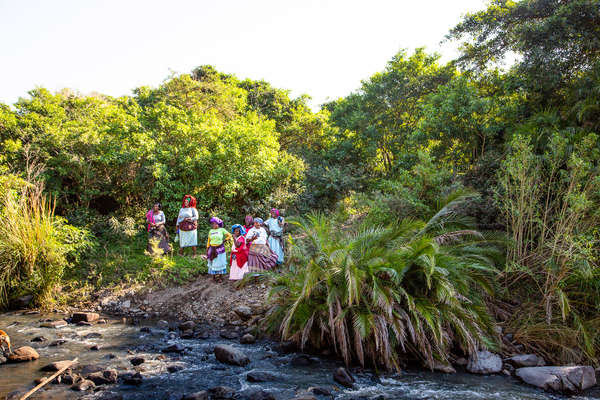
{"type": "Point", "coordinates": [215, 248]}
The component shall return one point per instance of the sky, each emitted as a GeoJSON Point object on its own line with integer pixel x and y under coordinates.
{"type": "Point", "coordinates": [323, 48]}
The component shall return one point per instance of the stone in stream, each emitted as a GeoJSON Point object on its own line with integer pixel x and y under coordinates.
{"type": "Point", "coordinates": [92, 335]}
{"type": "Point", "coordinates": [260, 395]}
{"type": "Point", "coordinates": [174, 348]}
{"type": "Point", "coordinates": [484, 362]}
{"type": "Point", "coordinates": [188, 334]}
{"type": "Point", "coordinates": [187, 325]}
{"type": "Point", "coordinates": [135, 361]}
{"type": "Point", "coordinates": [84, 316]}
{"type": "Point", "coordinates": [226, 334]}
{"type": "Point", "coordinates": [106, 395]}
{"type": "Point", "coordinates": [301, 361]}
{"type": "Point", "coordinates": [244, 312]}
{"type": "Point", "coordinates": [83, 385]}
{"type": "Point", "coordinates": [566, 380]}
{"type": "Point", "coordinates": [445, 368]}
{"type": "Point", "coordinates": [56, 366]}
{"type": "Point", "coordinates": [203, 395]}
{"type": "Point", "coordinates": [343, 377]}
{"type": "Point", "coordinates": [131, 378]}
{"type": "Point", "coordinates": [107, 376]}
{"type": "Point", "coordinates": [58, 342]}
{"type": "Point", "coordinates": [172, 368]}
{"type": "Point", "coordinates": [526, 360]}
{"type": "Point", "coordinates": [247, 339]}
{"type": "Point", "coordinates": [61, 323]}
{"type": "Point", "coordinates": [304, 396]}
{"type": "Point", "coordinates": [84, 323]}
{"type": "Point", "coordinates": [320, 391]}
{"type": "Point", "coordinates": [3, 359]}
{"type": "Point", "coordinates": [39, 339]}
{"type": "Point", "coordinates": [260, 376]}
{"type": "Point", "coordinates": [221, 393]}
{"type": "Point", "coordinates": [230, 355]}
{"type": "Point", "coordinates": [95, 347]}
{"type": "Point", "coordinates": [22, 354]}
{"type": "Point", "coordinates": [145, 329]}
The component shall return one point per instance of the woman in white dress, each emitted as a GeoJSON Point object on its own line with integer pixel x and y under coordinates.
{"type": "Point", "coordinates": [187, 224]}
{"type": "Point", "coordinates": [274, 227]}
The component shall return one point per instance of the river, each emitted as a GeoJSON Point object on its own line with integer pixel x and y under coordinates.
{"type": "Point", "coordinates": [201, 370]}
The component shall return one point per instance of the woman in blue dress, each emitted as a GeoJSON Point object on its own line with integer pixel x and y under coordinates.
{"type": "Point", "coordinates": [275, 226]}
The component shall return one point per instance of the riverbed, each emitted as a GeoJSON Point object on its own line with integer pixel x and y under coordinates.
{"type": "Point", "coordinates": [197, 369]}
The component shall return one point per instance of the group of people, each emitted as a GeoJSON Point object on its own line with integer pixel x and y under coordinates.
{"type": "Point", "coordinates": [256, 246]}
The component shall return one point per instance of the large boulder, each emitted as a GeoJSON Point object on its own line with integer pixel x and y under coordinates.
{"type": "Point", "coordinates": [24, 353]}
{"type": "Point", "coordinates": [105, 377]}
{"type": "Point", "coordinates": [343, 377]}
{"type": "Point", "coordinates": [484, 362]}
{"type": "Point", "coordinates": [230, 355]}
{"type": "Point", "coordinates": [56, 366]}
{"type": "Point", "coordinates": [566, 380]}
{"type": "Point", "coordinates": [526, 360]}
{"type": "Point", "coordinates": [84, 316]}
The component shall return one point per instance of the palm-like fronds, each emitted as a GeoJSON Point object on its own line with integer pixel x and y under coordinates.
{"type": "Point", "coordinates": [375, 293]}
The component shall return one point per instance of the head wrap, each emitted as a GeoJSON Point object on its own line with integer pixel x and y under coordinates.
{"type": "Point", "coordinates": [259, 220]}
{"type": "Point", "coordinates": [157, 204]}
{"type": "Point", "coordinates": [241, 228]}
{"type": "Point", "coordinates": [249, 220]}
{"type": "Point", "coordinates": [275, 211]}
{"type": "Point", "coordinates": [192, 201]}
{"type": "Point", "coordinates": [217, 221]}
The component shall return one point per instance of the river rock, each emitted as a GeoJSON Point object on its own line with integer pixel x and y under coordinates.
{"type": "Point", "coordinates": [187, 325]}
{"type": "Point", "coordinates": [304, 396]}
{"type": "Point", "coordinates": [83, 385]}
{"type": "Point", "coordinates": [227, 334]}
{"type": "Point", "coordinates": [95, 348]}
{"type": "Point", "coordinates": [445, 368]}
{"type": "Point", "coordinates": [130, 378]}
{"type": "Point", "coordinates": [145, 329]}
{"type": "Point", "coordinates": [172, 368]}
{"type": "Point", "coordinates": [526, 360]}
{"type": "Point", "coordinates": [221, 393]}
{"type": "Point", "coordinates": [135, 361]}
{"type": "Point", "coordinates": [3, 359]}
{"type": "Point", "coordinates": [39, 339]}
{"type": "Point", "coordinates": [567, 380]}
{"type": "Point", "coordinates": [22, 354]}
{"type": "Point", "coordinates": [260, 376]}
{"type": "Point", "coordinates": [484, 362]}
{"type": "Point", "coordinates": [230, 355]}
{"type": "Point", "coordinates": [247, 339]}
{"type": "Point", "coordinates": [301, 361]}
{"type": "Point", "coordinates": [203, 395]}
{"type": "Point", "coordinates": [174, 348]}
{"type": "Point", "coordinates": [188, 334]}
{"type": "Point", "coordinates": [92, 335]}
{"type": "Point", "coordinates": [320, 391]}
{"type": "Point", "coordinates": [54, 324]}
{"type": "Point", "coordinates": [56, 366]}
{"type": "Point", "coordinates": [88, 369]}
{"type": "Point", "coordinates": [84, 316]}
{"type": "Point", "coordinates": [260, 395]}
{"type": "Point", "coordinates": [105, 377]}
{"type": "Point", "coordinates": [244, 312]}
{"type": "Point", "coordinates": [162, 324]}
{"type": "Point", "coordinates": [343, 377]}
{"type": "Point", "coordinates": [58, 342]}
{"type": "Point", "coordinates": [106, 395]}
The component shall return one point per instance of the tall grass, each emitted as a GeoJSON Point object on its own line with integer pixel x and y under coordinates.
{"type": "Point", "coordinates": [35, 244]}
{"type": "Point", "coordinates": [374, 294]}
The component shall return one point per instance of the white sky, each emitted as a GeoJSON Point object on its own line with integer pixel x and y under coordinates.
{"type": "Point", "coordinates": [323, 48]}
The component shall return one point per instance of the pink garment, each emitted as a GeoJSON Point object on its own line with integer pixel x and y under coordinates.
{"type": "Point", "coordinates": [150, 218]}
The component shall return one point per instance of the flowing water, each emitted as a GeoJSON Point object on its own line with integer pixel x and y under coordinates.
{"type": "Point", "coordinates": [201, 371]}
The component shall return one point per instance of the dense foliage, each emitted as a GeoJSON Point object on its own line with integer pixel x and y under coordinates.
{"type": "Point", "coordinates": [524, 136]}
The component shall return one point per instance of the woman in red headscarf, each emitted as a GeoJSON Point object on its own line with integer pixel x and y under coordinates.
{"type": "Point", "coordinates": [187, 224]}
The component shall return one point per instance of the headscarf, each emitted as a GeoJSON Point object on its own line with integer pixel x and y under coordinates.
{"type": "Point", "coordinates": [249, 220]}
{"type": "Point", "coordinates": [275, 211]}
{"type": "Point", "coordinates": [259, 220]}
{"type": "Point", "coordinates": [217, 221]}
{"type": "Point", "coordinates": [192, 201]}
{"type": "Point", "coordinates": [240, 227]}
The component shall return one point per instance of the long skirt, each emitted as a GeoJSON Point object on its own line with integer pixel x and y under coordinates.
{"type": "Point", "coordinates": [160, 236]}
{"type": "Point", "coordinates": [218, 265]}
{"type": "Point", "coordinates": [235, 272]}
{"type": "Point", "coordinates": [188, 238]}
{"type": "Point", "coordinates": [261, 258]}
{"type": "Point", "coordinates": [275, 245]}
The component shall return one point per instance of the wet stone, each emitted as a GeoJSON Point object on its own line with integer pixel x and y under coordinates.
{"type": "Point", "coordinates": [137, 361]}
{"type": "Point", "coordinates": [56, 366]}
{"type": "Point", "coordinates": [320, 391]}
{"type": "Point", "coordinates": [23, 354]}
{"type": "Point", "coordinates": [230, 355]}
{"type": "Point", "coordinates": [54, 324]}
{"type": "Point", "coordinates": [84, 323]}
{"type": "Point", "coordinates": [39, 339]}
{"type": "Point", "coordinates": [301, 361]}
{"type": "Point", "coordinates": [226, 334]}
{"type": "Point", "coordinates": [103, 377]}
{"type": "Point", "coordinates": [95, 347]}
{"type": "Point", "coordinates": [174, 368]}
{"type": "Point", "coordinates": [145, 329]}
{"type": "Point", "coordinates": [221, 393]}
{"type": "Point", "coordinates": [93, 335]}
{"type": "Point", "coordinates": [58, 342]}
{"type": "Point", "coordinates": [83, 385]}
{"type": "Point", "coordinates": [247, 339]}
{"type": "Point", "coordinates": [343, 377]}
{"type": "Point", "coordinates": [260, 376]}
{"type": "Point", "coordinates": [203, 395]}
{"type": "Point", "coordinates": [174, 348]}
{"type": "Point", "coordinates": [84, 316]}
{"type": "Point", "coordinates": [129, 378]}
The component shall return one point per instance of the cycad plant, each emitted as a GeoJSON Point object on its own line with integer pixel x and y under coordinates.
{"type": "Point", "coordinates": [374, 294]}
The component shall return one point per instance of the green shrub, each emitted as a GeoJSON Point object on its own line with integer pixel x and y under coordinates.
{"type": "Point", "coordinates": [375, 293]}
{"type": "Point", "coordinates": [35, 245]}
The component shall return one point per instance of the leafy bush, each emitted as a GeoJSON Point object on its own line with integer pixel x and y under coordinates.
{"type": "Point", "coordinates": [35, 245]}
{"type": "Point", "coordinates": [374, 293]}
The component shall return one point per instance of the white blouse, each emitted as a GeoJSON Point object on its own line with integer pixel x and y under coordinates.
{"type": "Point", "coordinates": [261, 238]}
{"type": "Point", "coordinates": [188, 212]}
